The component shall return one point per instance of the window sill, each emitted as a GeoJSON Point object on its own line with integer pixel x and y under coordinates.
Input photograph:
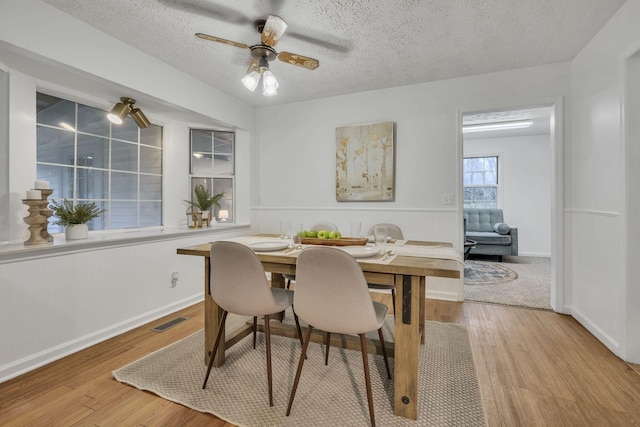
{"type": "Point", "coordinates": [103, 240]}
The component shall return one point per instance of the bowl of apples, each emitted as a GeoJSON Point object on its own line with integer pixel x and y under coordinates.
{"type": "Point", "coordinates": [330, 238]}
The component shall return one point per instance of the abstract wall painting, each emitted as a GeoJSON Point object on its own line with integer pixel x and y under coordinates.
{"type": "Point", "coordinates": [365, 163]}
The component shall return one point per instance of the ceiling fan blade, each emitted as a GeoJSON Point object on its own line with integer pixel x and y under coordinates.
{"type": "Point", "coordinates": [302, 61]}
{"type": "Point", "coordinates": [220, 40]}
{"type": "Point", "coordinates": [254, 65]}
{"type": "Point", "coordinates": [273, 30]}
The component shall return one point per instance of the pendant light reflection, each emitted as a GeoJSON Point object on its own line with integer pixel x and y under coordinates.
{"type": "Point", "coordinates": [125, 106]}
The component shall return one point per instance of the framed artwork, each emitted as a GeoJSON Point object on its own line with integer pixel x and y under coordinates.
{"type": "Point", "coordinates": [365, 163]}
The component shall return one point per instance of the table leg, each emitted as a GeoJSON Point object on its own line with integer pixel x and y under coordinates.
{"type": "Point", "coordinates": [423, 306]}
{"type": "Point", "coordinates": [407, 336]}
{"type": "Point", "coordinates": [212, 319]}
{"type": "Point", "coordinates": [277, 281]}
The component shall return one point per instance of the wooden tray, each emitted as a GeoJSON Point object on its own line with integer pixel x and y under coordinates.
{"type": "Point", "coordinates": [345, 241]}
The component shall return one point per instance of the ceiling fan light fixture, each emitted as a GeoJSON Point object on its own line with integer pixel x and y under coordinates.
{"type": "Point", "coordinates": [251, 80]}
{"type": "Point", "coordinates": [269, 84]}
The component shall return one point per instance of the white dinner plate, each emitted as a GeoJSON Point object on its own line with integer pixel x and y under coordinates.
{"type": "Point", "coordinates": [268, 246]}
{"type": "Point", "coordinates": [360, 251]}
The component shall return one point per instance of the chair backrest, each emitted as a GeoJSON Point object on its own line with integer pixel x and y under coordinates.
{"type": "Point", "coordinates": [238, 282]}
{"type": "Point", "coordinates": [331, 292]}
{"type": "Point", "coordinates": [393, 231]}
{"type": "Point", "coordinates": [328, 226]}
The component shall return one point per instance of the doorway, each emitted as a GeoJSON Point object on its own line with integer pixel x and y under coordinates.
{"type": "Point", "coordinates": [524, 143]}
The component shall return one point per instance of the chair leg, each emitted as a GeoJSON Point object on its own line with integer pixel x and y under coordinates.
{"type": "Point", "coordinates": [393, 298]}
{"type": "Point", "coordinates": [327, 344]}
{"type": "Point", "coordinates": [255, 329]}
{"type": "Point", "coordinates": [215, 347]}
{"type": "Point", "coordinates": [384, 352]}
{"type": "Point", "coordinates": [367, 378]}
{"type": "Point", "coordinates": [288, 283]}
{"type": "Point", "coordinates": [303, 355]}
{"type": "Point", "coordinates": [295, 317]}
{"type": "Point", "coordinates": [267, 335]}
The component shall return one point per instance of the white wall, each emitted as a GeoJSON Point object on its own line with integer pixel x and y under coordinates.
{"type": "Point", "coordinates": [296, 157]}
{"type": "Point", "coordinates": [596, 252]}
{"type": "Point", "coordinates": [525, 186]}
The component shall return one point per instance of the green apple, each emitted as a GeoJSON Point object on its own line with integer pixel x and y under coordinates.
{"type": "Point", "coordinates": [323, 234]}
{"type": "Point", "coordinates": [335, 235]}
{"type": "Point", "coordinates": [312, 234]}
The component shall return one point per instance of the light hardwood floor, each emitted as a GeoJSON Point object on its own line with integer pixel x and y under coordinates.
{"type": "Point", "coordinates": [536, 368]}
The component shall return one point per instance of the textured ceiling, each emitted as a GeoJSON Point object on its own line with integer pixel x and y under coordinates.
{"type": "Point", "coordinates": [361, 45]}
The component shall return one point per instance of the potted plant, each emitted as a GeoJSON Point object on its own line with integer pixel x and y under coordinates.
{"type": "Point", "coordinates": [204, 201]}
{"type": "Point", "coordinates": [74, 218]}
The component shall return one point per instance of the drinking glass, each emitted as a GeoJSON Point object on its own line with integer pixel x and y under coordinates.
{"type": "Point", "coordinates": [380, 237]}
{"type": "Point", "coordinates": [296, 235]}
{"type": "Point", "coordinates": [285, 229]}
{"type": "Point", "coordinates": [355, 228]}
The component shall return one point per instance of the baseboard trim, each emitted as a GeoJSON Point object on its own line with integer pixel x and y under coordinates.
{"type": "Point", "coordinates": [34, 361]}
{"type": "Point", "coordinates": [444, 295]}
{"type": "Point", "coordinates": [602, 336]}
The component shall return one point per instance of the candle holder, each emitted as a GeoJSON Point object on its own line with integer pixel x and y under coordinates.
{"type": "Point", "coordinates": [46, 212]}
{"type": "Point", "coordinates": [36, 221]}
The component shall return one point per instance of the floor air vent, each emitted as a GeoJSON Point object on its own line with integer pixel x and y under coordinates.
{"type": "Point", "coordinates": [169, 324]}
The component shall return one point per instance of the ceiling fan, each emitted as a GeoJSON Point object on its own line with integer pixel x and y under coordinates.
{"type": "Point", "coordinates": [272, 29]}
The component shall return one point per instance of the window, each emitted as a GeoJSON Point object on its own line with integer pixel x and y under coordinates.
{"type": "Point", "coordinates": [212, 165]}
{"type": "Point", "coordinates": [480, 181]}
{"type": "Point", "coordinates": [85, 158]}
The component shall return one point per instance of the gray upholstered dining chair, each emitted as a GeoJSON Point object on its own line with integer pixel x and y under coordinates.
{"type": "Point", "coordinates": [394, 232]}
{"type": "Point", "coordinates": [239, 285]}
{"type": "Point", "coordinates": [332, 295]}
{"type": "Point", "coordinates": [328, 226]}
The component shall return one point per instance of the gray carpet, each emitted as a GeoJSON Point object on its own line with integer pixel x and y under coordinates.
{"type": "Point", "coordinates": [332, 395]}
{"type": "Point", "coordinates": [517, 281]}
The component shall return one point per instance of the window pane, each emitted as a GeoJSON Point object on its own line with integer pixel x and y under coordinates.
{"type": "Point", "coordinates": [123, 214]}
{"type": "Point", "coordinates": [92, 120]}
{"type": "Point", "coordinates": [55, 145]}
{"type": "Point", "coordinates": [150, 214]}
{"type": "Point", "coordinates": [101, 222]}
{"type": "Point", "coordinates": [201, 152]}
{"type": "Point", "coordinates": [151, 136]}
{"type": "Point", "coordinates": [92, 184]}
{"type": "Point", "coordinates": [124, 185]}
{"type": "Point", "coordinates": [150, 187]}
{"type": "Point", "coordinates": [93, 151]}
{"type": "Point", "coordinates": [60, 179]}
{"type": "Point", "coordinates": [223, 142]}
{"type": "Point", "coordinates": [127, 131]}
{"type": "Point", "coordinates": [54, 111]}
{"type": "Point", "coordinates": [150, 160]}
{"type": "Point", "coordinates": [124, 156]}
{"type": "Point", "coordinates": [480, 179]}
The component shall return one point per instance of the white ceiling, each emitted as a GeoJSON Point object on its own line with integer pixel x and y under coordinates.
{"type": "Point", "coordinates": [361, 45]}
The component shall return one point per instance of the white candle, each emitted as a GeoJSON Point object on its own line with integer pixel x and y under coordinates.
{"type": "Point", "coordinates": [41, 185]}
{"type": "Point", "coordinates": [34, 195]}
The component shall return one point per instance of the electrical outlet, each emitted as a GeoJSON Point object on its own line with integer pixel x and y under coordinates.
{"type": "Point", "coordinates": [448, 199]}
{"type": "Point", "coordinates": [174, 279]}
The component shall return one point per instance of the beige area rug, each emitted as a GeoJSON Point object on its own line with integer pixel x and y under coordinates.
{"type": "Point", "coordinates": [332, 395]}
{"type": "Point", "coordinates": [517, 281]}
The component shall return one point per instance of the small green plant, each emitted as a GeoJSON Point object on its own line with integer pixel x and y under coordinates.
{"type": "Point", "coordinates": [204, 201]}
{"type": "Point", "coordinates": [70, 214]}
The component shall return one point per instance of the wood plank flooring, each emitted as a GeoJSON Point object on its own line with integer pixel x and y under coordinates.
{"type": "Point", "coordinates": [536, 368]}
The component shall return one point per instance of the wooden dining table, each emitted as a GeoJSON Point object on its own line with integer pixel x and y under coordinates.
{"type": "Point", "coordinates": [408, 273]}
